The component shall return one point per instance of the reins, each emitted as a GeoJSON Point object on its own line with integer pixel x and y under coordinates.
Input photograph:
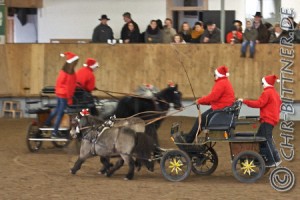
{"type": "Point", "coordinates": [155, 113]}
{"type": "Point", "coordinates": [129, 94]}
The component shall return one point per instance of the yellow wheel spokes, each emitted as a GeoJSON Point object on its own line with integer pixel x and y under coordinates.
{"type": "Point", "coordinates": [247, 166]}
{"type": "Point", "coordinates": [175, 165]}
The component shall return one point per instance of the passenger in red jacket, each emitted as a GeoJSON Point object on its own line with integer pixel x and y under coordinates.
{"type": "Point", "coordinates": [86, 84]}
{"type": "Point", "coordinates": [221, 96]}
{"type": "Point", "coordinates": [269, 104]}
{"type": "Point", "coordinates": [64, 90]}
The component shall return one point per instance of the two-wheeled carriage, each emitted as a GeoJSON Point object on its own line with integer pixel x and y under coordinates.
{"type": "Point", "coordinates": [37, 133]}
{"type": "Point", "coordinates": [248, 158]}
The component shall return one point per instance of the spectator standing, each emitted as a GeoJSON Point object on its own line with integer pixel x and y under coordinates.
{"type": "Point", "coordinates": [277, 33]}
{"type": "Point", "coordinates": [234, 36]}
{"type": "Point", "coordinates": [212, 34]}
{"type": "Point", "coordinates": [263, 33]}
{"type": "Point", "coordinates": [64, 91]}
{"type": "Point", "coordinates": [125, 29]}
{"type": "Point", "coordinates": [249, 38]}
{"type": "Point", "coordinates": [185, 32]}
{"type": "Point", "coordinates": [153, 33]}
{"type": "Point", "coordinates": [168, 31]}
{"type": "Point", "coordinates": [102, 32]}
{"type": "Point", "coordinates": [131, 36]}
{"type": "Point", "coordinates": [197, 32]}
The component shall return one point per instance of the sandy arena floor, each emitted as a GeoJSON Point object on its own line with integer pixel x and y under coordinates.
{"type": "Point", "coordinates": [45, 175]}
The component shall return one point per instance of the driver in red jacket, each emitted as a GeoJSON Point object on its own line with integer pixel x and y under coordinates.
{"type": "Point", "coordinates": [221, 96]}
{"type": "Point", "coordinates": [269, 104]}
{"type": "Point", "coordinates": [86, 83]}
{"type": "Point", "coordinates": [85, 75]}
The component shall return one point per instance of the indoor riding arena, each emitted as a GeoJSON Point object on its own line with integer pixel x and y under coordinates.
{"type": "Point", "coordinates": [34, 165]}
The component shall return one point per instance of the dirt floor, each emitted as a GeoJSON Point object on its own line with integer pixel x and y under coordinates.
{"type": "Point", "coordinates": [45, 175]}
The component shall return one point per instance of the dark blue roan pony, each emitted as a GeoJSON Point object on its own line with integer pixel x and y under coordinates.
{"type": "Point", "coordinates": [160, 104]}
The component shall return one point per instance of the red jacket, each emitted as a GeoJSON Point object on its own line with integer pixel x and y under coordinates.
{"type": "Point", "coordinates": [269, 103]}
{"type": "Point", "coordinates": [221, 95]}
{"type": "Point", "coordinates": [239, 37]}
{"type": "Point", "coordinates": [86, 78]}
{"type": "Point", "coordinates": [65, 86]}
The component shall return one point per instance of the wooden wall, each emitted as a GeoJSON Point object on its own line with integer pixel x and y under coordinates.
{"type": "Point", "coordinates": [124, 67]}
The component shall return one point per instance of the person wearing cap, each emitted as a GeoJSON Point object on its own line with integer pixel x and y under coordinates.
{"type": "Point", "coordinates": [221, 96]}
{"type": "Point", "coordinates": [263, 33]}
{"type": "Point", "coordinates": [86, 82]}
{"type": "Point", "coordinates": [212, 34]}
{"type": "Point", "coordinates": [102, 32]}
{"type": "Point", "coordinates": [269, 104]}
{"type": "Point", "coordinates": [234, 36]}
{"type": "Point", "coordinates": [125, 30]}
{"type": "Point", "coordinates": [64, 90]}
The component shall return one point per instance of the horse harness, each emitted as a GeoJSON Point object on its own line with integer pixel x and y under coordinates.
{"type": "Point", "coordinates": [105, 126]}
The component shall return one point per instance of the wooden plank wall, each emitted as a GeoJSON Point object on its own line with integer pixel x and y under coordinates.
{"type": "Point", "coordinates": [124, 67]}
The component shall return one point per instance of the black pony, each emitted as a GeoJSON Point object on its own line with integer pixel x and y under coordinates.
{"type": "Point", "coordinates": [132, 105]}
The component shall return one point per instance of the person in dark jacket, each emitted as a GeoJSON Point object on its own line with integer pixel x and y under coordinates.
{"type": "Point", "coordinates": [186, 32]}
{"type": "Point", "coordinates": [263, 33]}
{"type": "Point", "coordinates": [249, 39]}
{"type": "Point", "coordinates": [211, 35]}
{"type": "Point", "coordinates": [125, 29]}
{"type": "Point", "coordinates": [102, 32]}
{"type": "Point", "coordinates": [132, 36]}
{"type": "Point", "coordinates": [153, 33]}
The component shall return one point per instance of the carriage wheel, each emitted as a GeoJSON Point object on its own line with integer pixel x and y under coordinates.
{"type": "Point", "coordinates": [205, 163]}
{"type": "Point", "coordinates": [248, 166]}
{"type": "Point", "coordinates": [64, 134]}
{"type": "Point", "coordinates": [175, 165]}
{"type": "Point", "coordinates": [33, 132]}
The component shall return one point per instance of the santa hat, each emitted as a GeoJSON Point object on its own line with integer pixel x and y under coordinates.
{"type": "Point", "coordinates": [85, 112]}
{"type": "Point", "coordinates": [222, 71]}
{"type": "Point", "coordinates": [91, 63]}
{"type": "Point", "coordinates": [270, 80]}
{"type": "Point", "coordinates": [70, 57]}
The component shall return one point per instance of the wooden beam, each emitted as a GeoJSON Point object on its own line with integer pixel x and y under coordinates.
{"type": "Point", "coordinates": [24, 3]}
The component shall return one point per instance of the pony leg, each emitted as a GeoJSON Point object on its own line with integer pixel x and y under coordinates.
{"type": "Point", "coordinates": [106, 165]}
{"type": "Point", "coordinates": [117, 166]}
{"type": "Point", "coordinates": [77, 165]}
{"type": "Point", "coordinates": [129, 160]}
{"type": "Point", "coordinates": [84, 154]}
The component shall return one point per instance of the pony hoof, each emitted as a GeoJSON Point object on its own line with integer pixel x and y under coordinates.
{"type": "Point", "coordinates": [101, 172]}
{"type": "Point", "coordinates": [126, 179]}
{"type": "Point", "coordinates": [72, 172]}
